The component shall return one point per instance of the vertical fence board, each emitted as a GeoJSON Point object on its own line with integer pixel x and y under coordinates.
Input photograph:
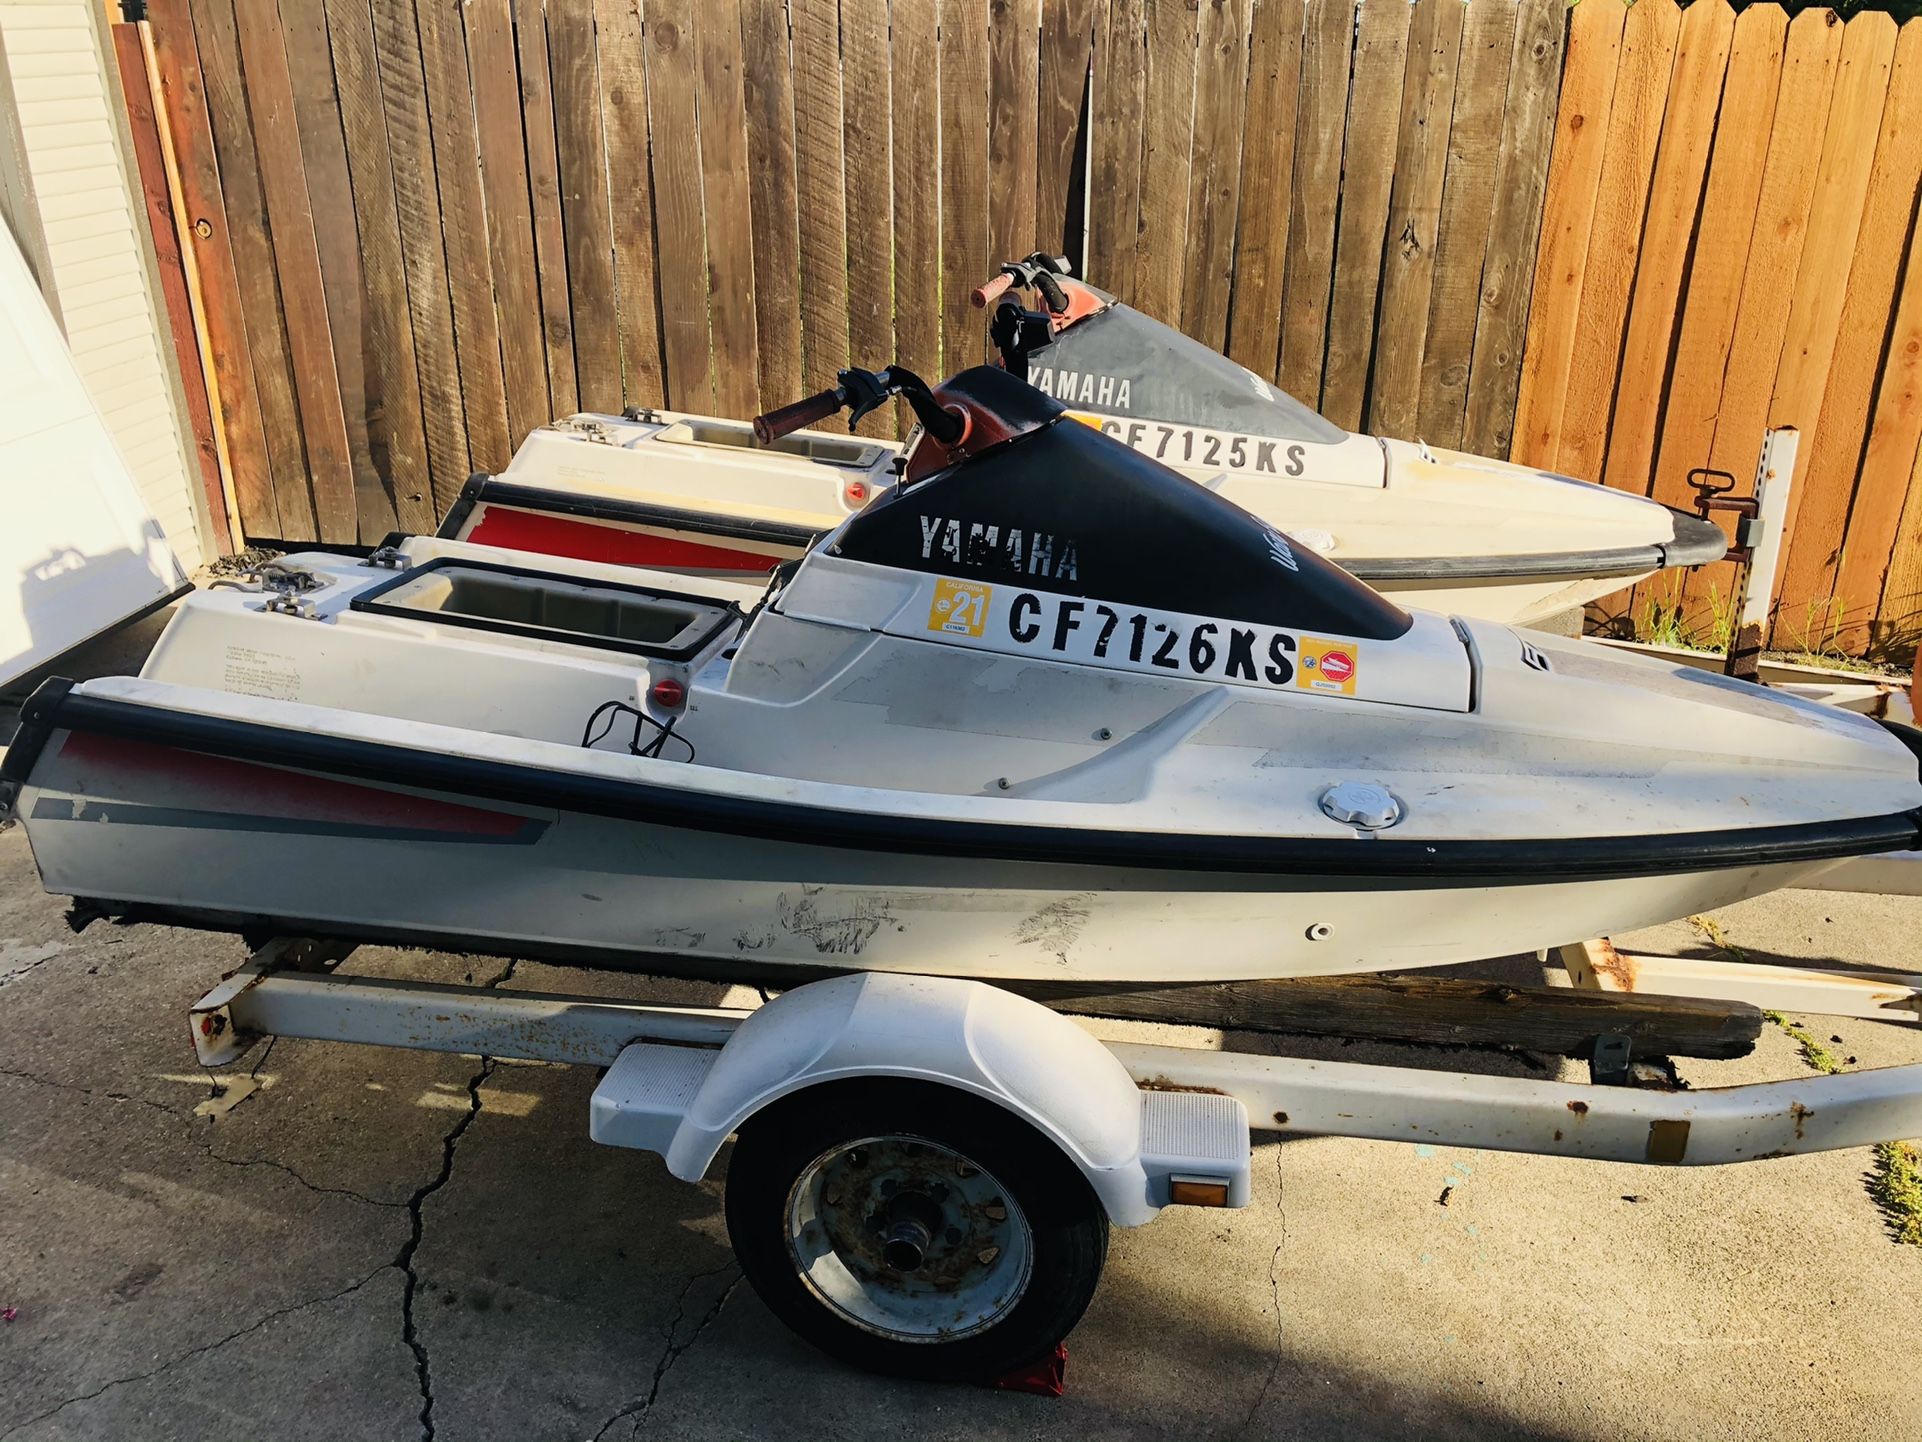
{"type": "Point", "coordinates": [1320, 119]}
{"type": "Point", "coordinates": [1777, 294]}
{"type": "Point", "coordinates": [1897, 625]}
{"type": "Point", "coordinates": [965, 238]}
{"type": "Point", "coordinates": [587, 224]}
{"type": "Point", "coordinates": [1888, 461]}
{"type": "Point", "coordinates": [1368, 173]}
{"type": "Point", "coordinates": [730, 246]}
{"type": "Point", "coordinates": [330, 201]}
{"type": "Point", "coordinates": [251, 237]}
{"type": "Point", "coordinates": [183, 95]}
{"type": "Point", "coordinates": [1267, 185]}
{"type": "Point", "coordinates": [1167, 143]}
{"type": "Point", "coordinates": [1067, 52]}
{"type": "Point", "coordinates": [1461, 239]}
{"type": "Point", "coordinates": [470, 272]}
{"type": "Point", "coordinates": [1414, 214]}
{"type": "Point", "coordinates": [1114, 158]}
{"type": "Point", "coordinates": [1514, 228]}
{"type": "Point", "coordinates": [1214, 179]}
{"type": "Point", "coordinates": [870, 192]}
{"type": "Point", "coordinates": [622, 66]}
{"type": "Point", "coordinates": [1819, 502]}
{"type": "Point", "coordinates": [510, 221]}
{"type": "Point", "coordinates": [680, 221]}
{"type": "Point", "coordinates": [1581, 133]}
{"type": "Point", "coordinates": [403, 91]}
{"type": "Point", "coordinates": [772, 203]}
{"type": "Point", "coordinates": [395, 428]}
{"type": "Point", "coordinates": [1642, 78]}
{"type": "Point", "coordinates": [1675, 198]}
{"type": "Point", "coordinates": [143, 129]}
{"type": "Point", "coordinates": [544, 200]}
{"type": "Point", "coordinates": [822, 192]}
{"type": "Point", "coordinates": [1014, 70]}
{"type": "Point", "coordinates": [1888, 410]}
{"type": "Point", "coordinates": [917, 193]}
{"type": "Point", "coordinates": [303, 296]}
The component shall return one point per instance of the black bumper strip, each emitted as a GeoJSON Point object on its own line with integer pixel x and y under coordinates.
{"type": "Point", "coordinates": [1534, 860]}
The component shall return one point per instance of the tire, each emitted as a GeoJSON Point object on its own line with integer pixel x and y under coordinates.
{"type": "Point", "coordinates": [819, 1139]}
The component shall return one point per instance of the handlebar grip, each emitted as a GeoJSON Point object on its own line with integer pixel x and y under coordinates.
{"type": "Point", "coordinates": [982, 295]}
{"type": "Point", "coordinates": [785, 420]}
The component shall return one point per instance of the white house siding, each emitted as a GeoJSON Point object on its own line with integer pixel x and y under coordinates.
{"type": "Point", "coordinates": [97, 246]}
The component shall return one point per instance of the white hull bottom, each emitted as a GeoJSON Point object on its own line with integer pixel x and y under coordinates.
{"type": "Point", "coordinates": [618, 893]}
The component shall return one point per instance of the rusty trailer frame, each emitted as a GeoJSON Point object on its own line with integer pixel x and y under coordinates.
{"type": "Point", "coordinates": [286, 991]}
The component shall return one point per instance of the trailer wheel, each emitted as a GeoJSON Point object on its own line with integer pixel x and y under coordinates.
{"type": "Point", "coordinates": [910, 1228]}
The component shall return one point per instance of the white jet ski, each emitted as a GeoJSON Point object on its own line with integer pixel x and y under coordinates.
{"type": "Point", "coordinates": [1432, 528]}
{"type": "Point", "coordinates": [1043, 710]}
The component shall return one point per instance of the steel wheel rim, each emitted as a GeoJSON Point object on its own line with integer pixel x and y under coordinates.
{"type": "Point", "coordinates": [908, 1239]}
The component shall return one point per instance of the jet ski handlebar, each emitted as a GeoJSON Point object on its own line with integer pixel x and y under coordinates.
{"type": "Point", "coordinates": [1037, 272]}
{"type": "Point", "coordinates": [860, 392]}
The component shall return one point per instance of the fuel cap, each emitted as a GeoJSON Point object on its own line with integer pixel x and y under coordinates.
{"type": "Point", "coordinates": [1361, 804]}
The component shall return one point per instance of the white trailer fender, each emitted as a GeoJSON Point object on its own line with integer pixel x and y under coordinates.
{"type": "Point", "coordinates": [1014, 1052]}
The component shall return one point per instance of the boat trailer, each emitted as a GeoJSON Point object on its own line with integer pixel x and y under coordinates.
{"type": "Point", "coordinates": [883, 1081]}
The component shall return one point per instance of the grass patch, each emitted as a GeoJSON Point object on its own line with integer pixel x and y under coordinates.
{"type": "Point", "coordinates": [1712, 929]}
{"type": "Point", "coordinates": [1818, 1056]}
{"type": "Point", "coordinates": [1896, 1185]}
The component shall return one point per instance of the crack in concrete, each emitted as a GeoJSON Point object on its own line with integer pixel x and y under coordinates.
{"type": "Point", "coordinates": [670, 1353]}
{"type": "Point", "coordinates": [208, 1149]}
{"type": "Point", "coordinates": [1274, 1292]}
{"type": "Point", "coordinates": [417, 1225]}
{"type": "Point", "coordinates": [7, 979]}
{"type": "Point", "coordinates": [194, 1352]}
{"type": "Point", "coordinates": [47, 1081]}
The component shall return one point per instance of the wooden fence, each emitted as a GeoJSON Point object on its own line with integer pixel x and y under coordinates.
{"type": "Point", "coordinates": [426, 227]}
{"type": "Point", "coordinates": [1727, 245]}
{"type": "Point", "coordinates": [423, 227]}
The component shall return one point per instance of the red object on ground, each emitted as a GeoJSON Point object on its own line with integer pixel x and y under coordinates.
{"type": "Point", "coordinates": [1046, 1378]}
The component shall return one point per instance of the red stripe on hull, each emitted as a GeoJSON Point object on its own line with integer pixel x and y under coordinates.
{"type": "Point", "coordinates": [112, 767]}
{"type": "Point", "coordinates": [517, 530]}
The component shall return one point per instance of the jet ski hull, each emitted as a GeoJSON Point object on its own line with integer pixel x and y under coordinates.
{"type": "Point", "coordinates": [200, 821]}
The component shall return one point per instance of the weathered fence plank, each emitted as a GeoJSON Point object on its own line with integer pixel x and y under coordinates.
{"type": "Point", "coordinates": [1819, 502]}
{"type": "Point", "coordinates": [1214, 174]}
{"type": "Point", "coordinates": [1267, 185]}
{"type": "Point", "coordinates": [1414, 215]}
{"type": "Point", "coordinates": [395, 427]}
{"type": "Point", "coordinates": [866, 137]}
{"type": "Point", "coordinates": [303, 294]}
{"type": "Point", "coordinates": [1514, 228]}
{"type": "Point", "coordinates": [544, 199]}
{"type": "Point", "coordinates": [1014, 70]}
{"type": "Point", "coordinates": [579, 146]}
{"type": "Point", "coordinates": [1675, 198]}
{"type": "Point", "coordinates": [772, 205]}
{"type": "Point", "coordinates": [1368, 161]}
{"type": "Point", "coordinates": [1067, 51]}
{"type": "Point", "coordinates": [821, 177]}
{"type": "Point", "coordinates": [183, 96]}
{"type": "Point", "coordinates": [621, 54]}
{"type": "Point", "coordinates": [966, 244]}
{"type": "Point", "coordinates": [1319, 123]}
{"type": "Point", "coordinates": [1167, 145]}
{"type": "Point", "coordinates": [724, 189]}
{"type": "Point", "coordinates": [1467, 200]}
{"type": "Point", "coordinates": [1114, 156]}
{"type": "Point", "coordinates": [1642, 77]}
{"type": "Point", "coordinates": [917, 193]}
{"type": "Point", "coordinates": [1568, 214]}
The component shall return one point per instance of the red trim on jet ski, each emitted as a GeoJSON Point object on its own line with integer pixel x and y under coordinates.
{"type": "Point", "coordinates": [267, 798]}
{"type": "Point", "coordinates": [584, 540]}
{"type": "Point", "coordinates": [1517, 862]}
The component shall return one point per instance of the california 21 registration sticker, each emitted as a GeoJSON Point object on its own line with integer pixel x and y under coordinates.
{"type": "Point", "coordinates": [1020, 622]}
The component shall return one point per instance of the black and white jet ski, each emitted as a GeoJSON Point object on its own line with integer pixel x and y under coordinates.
{"type": "Point", "coordinates": [1434, 528]}
{"type": "Point", "coordinates": [1044, 709]}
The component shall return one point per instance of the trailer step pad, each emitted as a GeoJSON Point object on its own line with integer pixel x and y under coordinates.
{"type": "Point", "coordinates": [641, 1100]}
{"type": "Point", "coordinates": [1193, 1143]}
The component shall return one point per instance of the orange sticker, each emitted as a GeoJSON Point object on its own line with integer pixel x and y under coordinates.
{"type": "Point", "coordinates": [960, 607]}
{"type": "Point", "coordinates": [1327, 666]}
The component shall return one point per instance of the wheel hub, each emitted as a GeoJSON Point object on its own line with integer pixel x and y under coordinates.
{"type": "Point", "coordinates": [908, 1238]}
